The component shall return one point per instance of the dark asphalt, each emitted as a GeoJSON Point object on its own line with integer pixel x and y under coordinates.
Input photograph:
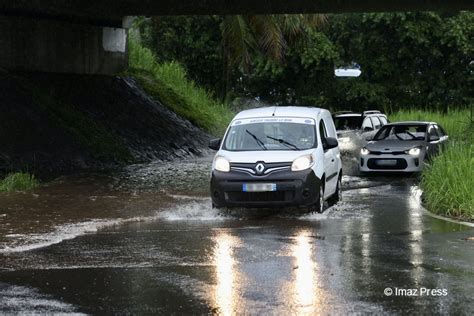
{"type": "Point", "coordinates": [190, 260]}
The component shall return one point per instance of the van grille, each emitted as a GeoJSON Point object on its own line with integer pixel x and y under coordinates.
{"type": "Point", "coordinates": [276, 196]}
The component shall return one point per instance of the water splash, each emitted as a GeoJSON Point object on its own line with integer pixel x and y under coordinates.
{"type": "Point", "coordinates": [20, 299]}
{"type": "Point", "coordinates": [200, 210]}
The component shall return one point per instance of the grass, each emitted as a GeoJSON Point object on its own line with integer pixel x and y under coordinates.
{"type": "Point", "coordinates": [18, 182]}
{"type": "Point", "coordinates": [169, 83]}
{"type": "Point", "coordinates": [448, 183]}
{"type": "Point", "coordinates": [455, 122]}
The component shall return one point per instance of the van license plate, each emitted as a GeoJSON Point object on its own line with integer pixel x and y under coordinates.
{"type": "Point", "coordinates": [386, 162]}
{"type": "Point", "coordinates": [259, 187]}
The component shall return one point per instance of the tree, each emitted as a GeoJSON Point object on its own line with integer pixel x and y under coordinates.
{"type": "Point", "coordinates": [247, 37]}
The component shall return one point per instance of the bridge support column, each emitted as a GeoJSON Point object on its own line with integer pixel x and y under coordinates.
{"type": "Point", "coordinates": [32, 44]}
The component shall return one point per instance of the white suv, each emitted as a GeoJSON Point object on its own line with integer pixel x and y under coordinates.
{"type": "Point", "coordinates": [277, 156]}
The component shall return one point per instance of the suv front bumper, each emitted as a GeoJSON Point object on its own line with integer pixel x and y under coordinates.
{"type": "Point", "coordinates": [293, 188]}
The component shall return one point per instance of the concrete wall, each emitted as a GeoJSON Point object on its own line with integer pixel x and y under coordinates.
{"type": "Point", "coordinates": [55, 46]}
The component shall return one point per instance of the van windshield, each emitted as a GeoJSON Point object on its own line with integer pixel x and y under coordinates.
{"type": "Point", "coordinates": [347, 122]}
{"type": "Point", "coordinates": [259, 134]}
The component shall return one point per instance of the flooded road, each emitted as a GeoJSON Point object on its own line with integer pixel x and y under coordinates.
{"type": "Point", "coordinates": [146, 240]}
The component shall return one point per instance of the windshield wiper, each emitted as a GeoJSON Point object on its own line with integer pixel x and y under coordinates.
{"type": "Point", "coordinates": [284, 142]}
{"type": "Point", "coordinates": [258, 140]}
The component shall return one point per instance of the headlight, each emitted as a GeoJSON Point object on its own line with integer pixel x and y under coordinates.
{"type": "Point", "coordinates": [414, 151]}
{"type": "Point", "coordinates": [364, 151]}
{"type": "Point", "coordinates": [222, 164]}
{"type": "Point", "coordinates": [302, 163]}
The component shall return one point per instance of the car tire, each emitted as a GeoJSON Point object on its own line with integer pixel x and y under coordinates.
{"type": "Point", "coordinates": [319, 205]}
{"type": "Point", "coordinates": [338, 193]}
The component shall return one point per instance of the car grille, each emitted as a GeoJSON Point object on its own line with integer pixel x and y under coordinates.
{"type": "Point", "coordinates": [276, 196]}
{"type": "Point", "coordinates": [401, 164]}
{"type": "Point", "coordinates": [387, 153]}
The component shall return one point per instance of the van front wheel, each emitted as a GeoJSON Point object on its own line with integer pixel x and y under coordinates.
{"type": "Point", "coordinates": [337, 197]}
{"type": "Point", "coordinates": [319, 205]}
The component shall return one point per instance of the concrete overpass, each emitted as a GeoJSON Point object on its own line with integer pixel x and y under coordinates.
{"type": "Point", "coordinates": [77, 36]}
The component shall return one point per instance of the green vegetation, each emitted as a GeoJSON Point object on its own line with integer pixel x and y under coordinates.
{"type": "Point", "coordinates": [455, 122]}
{"type": "Point", "coordinates": [448, 183]}
{"type": "Point", "coordinates": [18, 182]}
{"type": "Point", "coordinates": [169, 83]}
{"type": "Point", "coordinates": [419, 59]}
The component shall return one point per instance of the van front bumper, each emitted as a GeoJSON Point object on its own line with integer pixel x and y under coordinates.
{"type": "Point", "coordinates": [293, 188]}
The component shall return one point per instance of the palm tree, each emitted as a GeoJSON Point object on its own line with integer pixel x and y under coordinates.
{"type": "Point", "coordinates": [243, 35]}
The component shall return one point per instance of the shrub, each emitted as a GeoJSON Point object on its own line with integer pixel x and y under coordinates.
{"type": "Point", "coordinates": [18, 182]}
{"type": "Point", "coordinates": [447, 183]}
{"type": "Point", "coordinates": [170, 84]}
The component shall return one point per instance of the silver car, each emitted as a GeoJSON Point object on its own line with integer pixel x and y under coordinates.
{"type": "Point", "coordinates": [402, 147]}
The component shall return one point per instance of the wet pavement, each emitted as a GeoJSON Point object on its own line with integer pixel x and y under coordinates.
{"type": "Point", "coordinates": [146, 241]}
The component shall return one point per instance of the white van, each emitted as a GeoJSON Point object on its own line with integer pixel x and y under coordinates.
{"type": "Point", "coordinates": [277, 157]}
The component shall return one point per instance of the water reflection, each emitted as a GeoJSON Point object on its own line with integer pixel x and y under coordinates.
{"type": "Point", "coordinates": [225, 295]}
{"type": "Point", "coordinates": [308, 296]}
{"type": "Point", "coordinates": [304, 278]}
{"type": "Point", "coordinates": [415, 226]}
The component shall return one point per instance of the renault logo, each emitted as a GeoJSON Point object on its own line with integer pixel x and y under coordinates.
{"type": "Point", "coordinates": [259, 168]}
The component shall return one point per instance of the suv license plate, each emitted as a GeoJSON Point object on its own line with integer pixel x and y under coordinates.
{"type": "Point", "coordinates": [387, 162]}
{"type": "Point", "coordinates": [259, 187]}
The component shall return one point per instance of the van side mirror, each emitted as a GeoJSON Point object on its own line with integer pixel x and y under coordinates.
{"type": "Point", "coordinates": [369, 138]}
{"type": "Point", "coordinates": [433, 138]}
{"type": "Point", "coordinates": [368, 129]}
{"type": "Point", "coordinates": [214, 144]}
{"type": "Point", "coordinates": [331, 142]}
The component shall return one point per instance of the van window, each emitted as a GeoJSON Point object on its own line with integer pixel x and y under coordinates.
{"type": "Point", "coordinates": [347, 122]}
{"type": "Point", "coordinates": [322, 132]}
{"type": "Point", "coordinates": [383, 120]}
{"type": "Point", "coordinates": [367, 123]}
{"type": "Point", "coordinates": [376, 122]}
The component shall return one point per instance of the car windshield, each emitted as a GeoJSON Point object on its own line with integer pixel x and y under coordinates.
{"type": "Point", "coordinates": [271, 134]}
{"type": "Point", "coordinates": [402, 132]}
{"type": "Point", "coordinates": [347, 122]}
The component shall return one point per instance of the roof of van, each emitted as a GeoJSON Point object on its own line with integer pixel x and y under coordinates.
{"type": "Point", "coordinates": [281, 111]}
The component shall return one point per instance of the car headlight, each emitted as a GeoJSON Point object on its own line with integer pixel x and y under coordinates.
{"type": "Point", "coordinates": [221, 164]}
{"type": "Point", "coordinates": [414, 151]}
{"type": "Point", "coordinates": [302, 163]}
{"type": "Point", "coordinates": [364, 151]}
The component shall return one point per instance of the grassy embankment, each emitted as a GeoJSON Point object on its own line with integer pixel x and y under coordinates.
{"type": "Point", "coordinates": [169, 83]}
{"type": "Point", "coordinates": [96, 139]}
{"type": "Point", "coordinates": [448, 183]}
{"type": "Point", "coordinates": [18, 182]}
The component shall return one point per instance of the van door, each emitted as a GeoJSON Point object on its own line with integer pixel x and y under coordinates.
{"type": "Point", "coordinates": [330, 163]}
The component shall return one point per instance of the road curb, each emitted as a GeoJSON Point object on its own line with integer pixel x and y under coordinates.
{"type": "Point", "coordinates": [452, 220]}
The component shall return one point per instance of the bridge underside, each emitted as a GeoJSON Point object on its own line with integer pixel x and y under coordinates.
{"type": "Point", "coordinates": [101, 9]}
{"type": "Point", "coordinates": [76, 36]}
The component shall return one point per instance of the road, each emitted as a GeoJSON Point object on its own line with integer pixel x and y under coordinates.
{"type": "Point", "coordinates": [182, 257]}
